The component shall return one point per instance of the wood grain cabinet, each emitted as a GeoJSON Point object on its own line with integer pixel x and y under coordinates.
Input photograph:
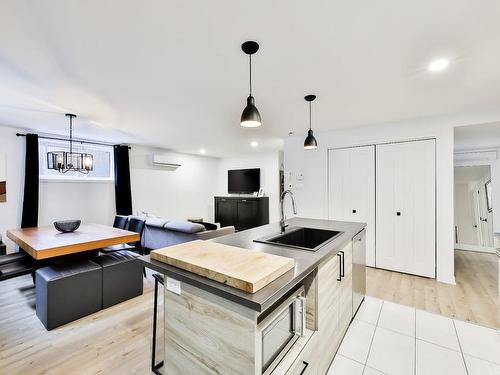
{"type": "Point", "coordinates": [206, 334]}
{"type": "Point", "coordinates": [334, 309]}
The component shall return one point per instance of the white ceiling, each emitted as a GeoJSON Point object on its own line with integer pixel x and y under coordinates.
{"type": "Point", "coordinates": [477, 136]}
{"type": "Point", "coordinates": [171, 73]}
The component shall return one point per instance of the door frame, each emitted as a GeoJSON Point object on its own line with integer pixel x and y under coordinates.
{"type": "Point", "coordinates": [375, 144]}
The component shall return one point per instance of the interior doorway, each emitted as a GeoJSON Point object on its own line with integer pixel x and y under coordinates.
{"type": "Point", "coordinates": [473, 209]}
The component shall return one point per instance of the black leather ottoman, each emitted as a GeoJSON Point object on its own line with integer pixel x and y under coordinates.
{"type": "Point", "coordinates": [121, 276]}
{"type": "Point", "coordinates": [67, 291]}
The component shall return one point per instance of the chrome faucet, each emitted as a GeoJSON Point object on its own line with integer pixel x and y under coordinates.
{"type": "Point", "coordinates": [283, 224]}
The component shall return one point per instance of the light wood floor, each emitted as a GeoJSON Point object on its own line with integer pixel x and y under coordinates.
{"type": "Point", "coordinates": [118, 340]}
{"type": "Point", "coordinates": [474, 298]}
{"type": "Point", "coordinates": [113, 341]}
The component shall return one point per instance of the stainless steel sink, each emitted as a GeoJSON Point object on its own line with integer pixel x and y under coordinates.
{"type": "Point", "coordinates": [310, 239]}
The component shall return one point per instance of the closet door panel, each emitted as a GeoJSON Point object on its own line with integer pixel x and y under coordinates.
{"type": "Point", "coordinates": [387, 164]}
{"type": "Point", "coordinates": [406, 207]}
{"type": "Point", "coordinates": [339, 184]}
{"type": "Point", "coordinates": [352, 190]}
{"type": "Point", "coordinates": [363, 195]}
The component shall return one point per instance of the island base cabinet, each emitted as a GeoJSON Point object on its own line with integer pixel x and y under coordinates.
{"type": "Point", "coordinates": [205, 334]}
{"type": "Point", "coordinates": [345, 309]}
{"type": "Point", "coordinates": [334, 306]}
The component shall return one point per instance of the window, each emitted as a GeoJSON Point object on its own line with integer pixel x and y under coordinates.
{"type": "Point", "coordinates": [103, 161]}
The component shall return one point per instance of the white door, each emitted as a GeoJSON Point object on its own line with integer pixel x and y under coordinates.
{"type": "Point", "coordinates": [405, 199]}
{"type": "Point", "coordinates": [352, 190]}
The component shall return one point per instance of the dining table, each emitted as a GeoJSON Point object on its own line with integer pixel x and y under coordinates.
{"type": "Point", "coordinates": [46, 242]}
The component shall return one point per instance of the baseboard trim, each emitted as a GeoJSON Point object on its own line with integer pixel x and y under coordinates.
{"type": "Point", "coordinates": [478, 249]}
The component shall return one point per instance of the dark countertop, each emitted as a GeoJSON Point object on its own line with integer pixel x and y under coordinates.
{"type": "Point", "coordinates": [305, 261]}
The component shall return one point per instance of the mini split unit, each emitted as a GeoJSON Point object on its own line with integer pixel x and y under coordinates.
{"type": "Point", "coordinates": [165, 160]}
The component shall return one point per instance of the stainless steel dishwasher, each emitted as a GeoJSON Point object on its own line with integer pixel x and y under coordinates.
{"type": "Point", "coordinates": [358, 270]}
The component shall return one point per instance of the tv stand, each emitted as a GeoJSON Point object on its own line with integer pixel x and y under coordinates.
{"type": "Point", "coordinates": [242, 212]}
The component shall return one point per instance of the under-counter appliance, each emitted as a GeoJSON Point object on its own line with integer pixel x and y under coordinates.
{"type": "Point", "coordinates": [281, 327]}
{"type": "Point", "coordinates": [358, 270]}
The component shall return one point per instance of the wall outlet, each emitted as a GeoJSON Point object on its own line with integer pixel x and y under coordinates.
{"type": "Point", "coordinates": [174, 286]}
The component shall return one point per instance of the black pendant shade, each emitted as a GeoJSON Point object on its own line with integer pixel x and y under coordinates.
{"type": "Point", "coordinates": [310, 142]}
{"type": "Point", "coordinates": [250, 118]}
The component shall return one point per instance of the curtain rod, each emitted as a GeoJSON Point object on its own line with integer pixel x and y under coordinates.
{"type": "Point", "coordinates": [67, 140]}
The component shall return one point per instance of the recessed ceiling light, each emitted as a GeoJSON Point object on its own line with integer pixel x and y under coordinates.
{"type": "Point", "coordinates": [202, 151]}
{"type": "Point", "coordinates": [254, 144]}
{"type": "Point", "coordinates": [438, 65]}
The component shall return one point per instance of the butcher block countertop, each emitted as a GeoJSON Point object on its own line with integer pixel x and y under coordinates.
{"type": "Point", "coordinates": [240, 268]}
{"type": "Point", "coordinates": [305, 261]}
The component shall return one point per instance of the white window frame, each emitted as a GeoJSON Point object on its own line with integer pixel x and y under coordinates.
{"type": "Point", "coordinates": [61, 177]}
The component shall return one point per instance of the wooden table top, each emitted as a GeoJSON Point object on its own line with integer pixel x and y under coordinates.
{"type": "Point", "coordinates": [46, 242]}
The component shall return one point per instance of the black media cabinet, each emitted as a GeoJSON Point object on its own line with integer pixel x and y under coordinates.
{"type": "Point", "coordinates": [242, 212]}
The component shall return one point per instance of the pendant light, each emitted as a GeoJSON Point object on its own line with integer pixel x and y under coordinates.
{"type": "Point", "coordinates": [310, 142]}
{"type": "Point", "coordinates": [63, 161]}
{"type": "Point", "coordinates": [250, 118]}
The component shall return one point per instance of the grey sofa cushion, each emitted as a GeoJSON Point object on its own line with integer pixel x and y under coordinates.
{"type": "Point", "coordinates": [156, 222]}
{"type": "Point", "coordinates": [184, 227]}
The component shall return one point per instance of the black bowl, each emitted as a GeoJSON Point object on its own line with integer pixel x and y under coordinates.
{"type": "Point", "coordinates": [67, 226]}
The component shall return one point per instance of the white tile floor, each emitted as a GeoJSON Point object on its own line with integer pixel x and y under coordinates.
{"type": "Point", "coordinates": [391, 339]}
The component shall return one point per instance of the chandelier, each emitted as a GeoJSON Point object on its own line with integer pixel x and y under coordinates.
{"type": "Point", "coordinates": [63, 161]}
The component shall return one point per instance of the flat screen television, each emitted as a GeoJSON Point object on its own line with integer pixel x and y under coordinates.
{"type": "Point", "coordinates": [243, 181]}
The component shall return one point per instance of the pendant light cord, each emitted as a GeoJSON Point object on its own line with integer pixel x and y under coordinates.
{"type": "Point", "coordinates": [71, 135]}
{"type": "Point", "coordinates": [310, 116]}
{"type": "Point", "coordinates": [250, 74]}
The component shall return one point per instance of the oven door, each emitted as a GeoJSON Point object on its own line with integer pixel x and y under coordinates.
{"type": "Point", "coordinates": [281, 328]}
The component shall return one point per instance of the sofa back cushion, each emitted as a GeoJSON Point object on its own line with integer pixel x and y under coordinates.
{"type": "Point", "coordinates": [184, 226]}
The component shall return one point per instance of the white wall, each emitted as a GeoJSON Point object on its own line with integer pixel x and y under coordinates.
{"type": "Point", "coordinates": [173, 194]}
{"type": "Point", "coordinates": [10, 211]}
{"type": "Point", "coordinates": [312, 192]}
{"type": "Point", "coordinates": [92, 202]}
{"type": "Point", "coordinates": [268, 162]}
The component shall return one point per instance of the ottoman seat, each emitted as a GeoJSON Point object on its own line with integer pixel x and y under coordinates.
{"type": "Point", "coordinates": [121, 276]}
{"type": "Point", "coordinates": [67, 291]}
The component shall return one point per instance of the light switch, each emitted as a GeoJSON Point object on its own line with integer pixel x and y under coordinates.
{"type": "Point", "coordinates": [174, 286]}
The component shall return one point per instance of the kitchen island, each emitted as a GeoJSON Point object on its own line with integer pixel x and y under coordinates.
{"type": "Point", "coordinates": [293, 325]}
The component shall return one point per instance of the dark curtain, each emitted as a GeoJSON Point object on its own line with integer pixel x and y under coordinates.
{"type": "Point", "coordinates": [123, 195]}
{"type": "Point", "coordinates": [30, 201]}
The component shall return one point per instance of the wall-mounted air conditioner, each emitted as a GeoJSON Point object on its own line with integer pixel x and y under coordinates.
{"type": "Point", "coordinates": [165, 160]}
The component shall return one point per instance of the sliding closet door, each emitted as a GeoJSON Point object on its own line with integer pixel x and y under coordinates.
{"type": "Point", "coordinates": [352, 190]}
{"type": "Point", "coordinates": [339, 184]}
{"type": "Point", "coordinates": [405, 197]}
